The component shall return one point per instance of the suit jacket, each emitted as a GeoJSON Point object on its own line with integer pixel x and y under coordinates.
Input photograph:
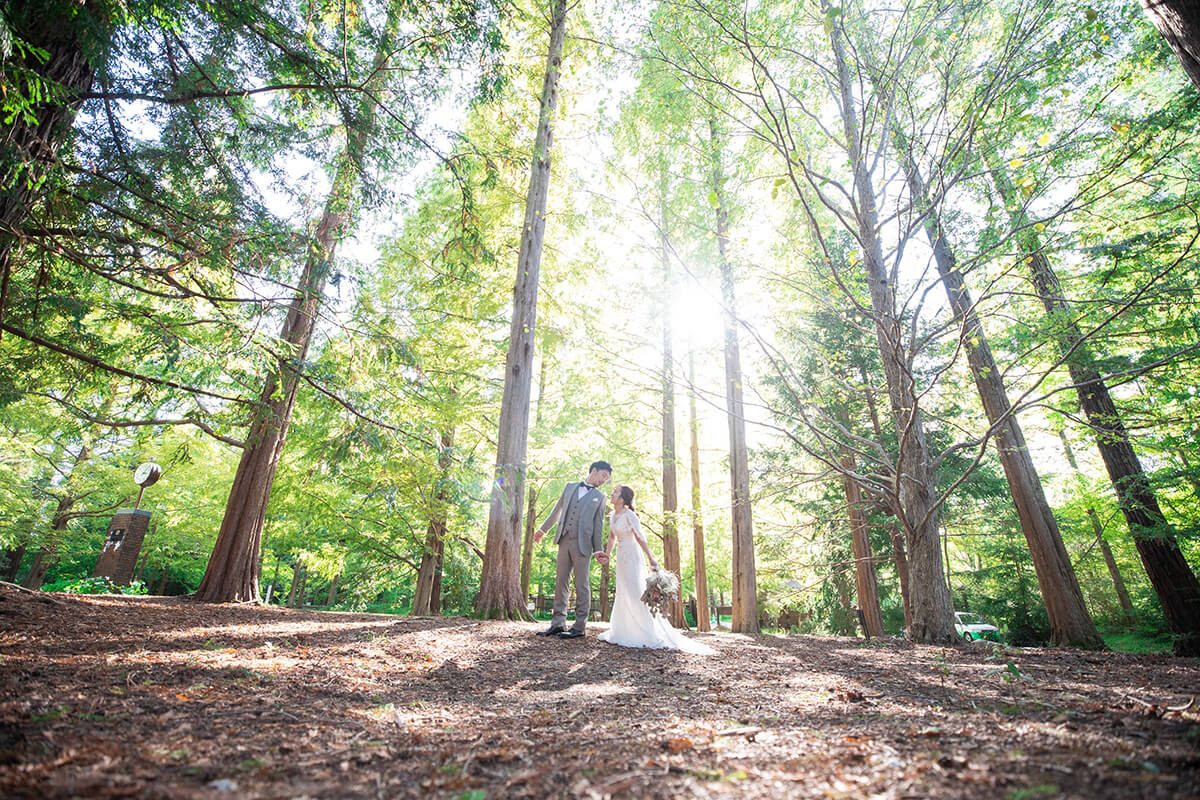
{"type": "Point", "coordinates": [590, 524]}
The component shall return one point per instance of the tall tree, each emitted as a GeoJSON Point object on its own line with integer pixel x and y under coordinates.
{"type": "Point", "coordinates": [1070, 623]}
{"type": "Point", "coordinates": [745, 583]}
{"type": "Point", "coordinates": [915, 482]}
{"type": "Point", "coordinates": [234, 566]}
{"type": "Point", "coordinates": [1174, 582]}
{"type": "Point", "coordinates": [499, 584]}
{"type": "Point", "coordinates": [701, 572]}
{"type": "Point", "coordinates": [670, 482]}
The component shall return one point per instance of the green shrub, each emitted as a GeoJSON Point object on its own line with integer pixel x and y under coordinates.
{"type": "Point", "coordinates": [94, 586]}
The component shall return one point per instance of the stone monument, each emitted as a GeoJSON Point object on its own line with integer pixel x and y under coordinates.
{"type": "Point", "coordinates": [126, 532]}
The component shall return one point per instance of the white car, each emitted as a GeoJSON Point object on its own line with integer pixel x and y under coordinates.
{"type": "Point", "coordinates": [971, 627]}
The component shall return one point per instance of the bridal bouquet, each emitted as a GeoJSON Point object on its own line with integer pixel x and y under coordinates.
{"type": "Point", "coordinates": [661, 588]}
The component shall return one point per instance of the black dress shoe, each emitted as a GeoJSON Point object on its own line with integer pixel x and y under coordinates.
{"type": "Point", "coordinates": [553, 630]}
{"type": "Point", "coordinates": [571, 634]}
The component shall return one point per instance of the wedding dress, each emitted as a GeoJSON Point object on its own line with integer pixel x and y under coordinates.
{"type": "Point", "coordinates": [632, 623]}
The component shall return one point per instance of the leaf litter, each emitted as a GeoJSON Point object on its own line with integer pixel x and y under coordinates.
{"type": "Point", "coordinates": [109, 696]}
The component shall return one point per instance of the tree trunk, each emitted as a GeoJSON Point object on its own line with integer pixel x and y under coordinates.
{"type": "Point", "coordinates": [12, 563]}
{"type": "Point", "coordinates": [435, 594]}
{"type": "Point", "coordinates": [745, 585]}
{"type": "Point", "coordinates": [605, 580]}
{"type": "Point", "coordinates": [333, 590]}
{"type": "Point", "coordinates": [702, 605]}
{"type": "Point", "coordinates": [1070, 623]}
{"type": "Point", "coordinates": [864, 562]}
{"type": "Point", "coordinates": [932, 613]}
{"type": "Point", "coordinates": [901, 572]}
{"type": "Point", "coordinates": [233, 570]}
{"type": "Point", "coordinates": [534, 491]}
{"type": "Point", "coordinates": [1173, 580]}
{"type": "Point", "coordinates": [1179, 23]}
{"type": "Point", "coordinates": [1113, 572]}
{"type": "Point", "coordinates": [296, 591]}
{"type": "Point", "coordinates": [69, 32]}
{"type": "Point", "coordinates": [671, 560]}
{"type": "Point", "coordinates": [435, 534]}
{"type": "Point", "coordinates": [162, 581]}
{"type": "Point", "coordinates": [500, 581]}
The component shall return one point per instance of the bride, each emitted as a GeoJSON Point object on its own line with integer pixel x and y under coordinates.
{"type": "Point", "coordinates": [632, 623]}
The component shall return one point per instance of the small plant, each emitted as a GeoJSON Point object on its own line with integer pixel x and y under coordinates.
{"type": "Point", "coordinates": [101, 585]}
{"type": "Point", "coordinates": [1010, 672]}
{"type": "Point", "coordinates": [943, 667]}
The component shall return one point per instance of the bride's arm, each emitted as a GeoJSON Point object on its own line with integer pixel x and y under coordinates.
{"type": "Point", "coordinates": [641, 539]}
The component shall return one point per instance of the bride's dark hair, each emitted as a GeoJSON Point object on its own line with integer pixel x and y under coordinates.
{"type": "Point", "coordinates": [627, 497]}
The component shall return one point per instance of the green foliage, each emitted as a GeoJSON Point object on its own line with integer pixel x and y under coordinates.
{"type": "Point", "coordinates": [101, 585]}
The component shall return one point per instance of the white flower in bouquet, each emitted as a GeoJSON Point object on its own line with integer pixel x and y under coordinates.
{"type": "Point", "coordinates": [661, 588]}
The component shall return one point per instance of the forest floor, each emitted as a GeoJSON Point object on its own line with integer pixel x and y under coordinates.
{"type": "Point", "coordinates": [113, 696]}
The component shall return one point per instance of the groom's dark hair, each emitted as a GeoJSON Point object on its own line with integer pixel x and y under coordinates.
{"type": "Point", "coordinates": [604, 465]}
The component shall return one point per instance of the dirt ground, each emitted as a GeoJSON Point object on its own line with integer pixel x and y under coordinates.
{"type": "Point", "coordinates": [163, 697]}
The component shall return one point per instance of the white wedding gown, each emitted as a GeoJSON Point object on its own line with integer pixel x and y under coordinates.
{"type": "Point", "coordinates": [632, 623]}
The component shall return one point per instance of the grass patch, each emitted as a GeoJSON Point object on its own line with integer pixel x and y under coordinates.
{"type": "Point", "coordinates": [1137, 642]}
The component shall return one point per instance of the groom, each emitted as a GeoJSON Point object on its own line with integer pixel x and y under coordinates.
{"type": "Point", "coordinates": [580, 534]}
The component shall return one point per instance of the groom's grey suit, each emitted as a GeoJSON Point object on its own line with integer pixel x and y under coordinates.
{"type": "Point", "coordinates": [580, 533]}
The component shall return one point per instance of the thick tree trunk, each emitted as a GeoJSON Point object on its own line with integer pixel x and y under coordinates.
{"type": "Point", "coordinates": [1070, 623]}
{"type": "Point", "coordinates": [333, 590]}
{"type": "Point", "coordinates": [233, 570]}
{"type": "Point", "coordinates": [1173, 580]}
{"type": "Point", "coordinates": [435, 534]}
{"type": "Point", "coordinates": [745, 584]}
{"type": "Point", "coordinates": [500, 581]}
{"type": "Point", "coordinates": [932, 613]}
{"type": "Point", "coordinates": [1179, 23]}
{"type": "Point", "coordinates": [12, 563]}
{"type": "Point", "coordinates": [69, 32]}
{"type": "Point", "coordinates": [702, 606]}
{"type": "Point", "coordinates": [671, 560]}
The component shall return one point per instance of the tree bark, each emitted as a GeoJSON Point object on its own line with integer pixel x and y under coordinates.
{"type": "Point", "coordinates": [333, 590]}
{"type": "Point", "coordinates": [74, 35]}
{"type": "Point", "coordinates": [932, 613]}
{"type": "Point", "coordinates": [534, 491]}
{"type": "Point", "coordinates": [901, 560]}
{"type": "Point", "coordinates": [234, 568]}
{"type": "Point", "coordinates": [500, 581]}
{"type": "Point", "coordinates": [671, 560]}
{"type": "Point", "coordinates": [865, 583]}
{"type": "Point", "coordinates": [1179, 23]}
{"type": "Point", "coordinates": [436, 532]}
{"type": "Point", "coordinates": [702, 606]}
{"type": "Point", "coordinates": [1070, 622]}
{"type": "Point", "coordinates": [296, 591]}
{"type": "Point", "coordinates": [745, 585]}
{"type": "Point", "coordinates": [435, 594]}
{"type": "Point", "coordinates": [12, 563]}
{"type": "Point", "coordinates": [1174, 582]}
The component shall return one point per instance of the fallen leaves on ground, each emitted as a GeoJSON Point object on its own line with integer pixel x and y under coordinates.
{"type": "Point", "coordinates": [163, 697]}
